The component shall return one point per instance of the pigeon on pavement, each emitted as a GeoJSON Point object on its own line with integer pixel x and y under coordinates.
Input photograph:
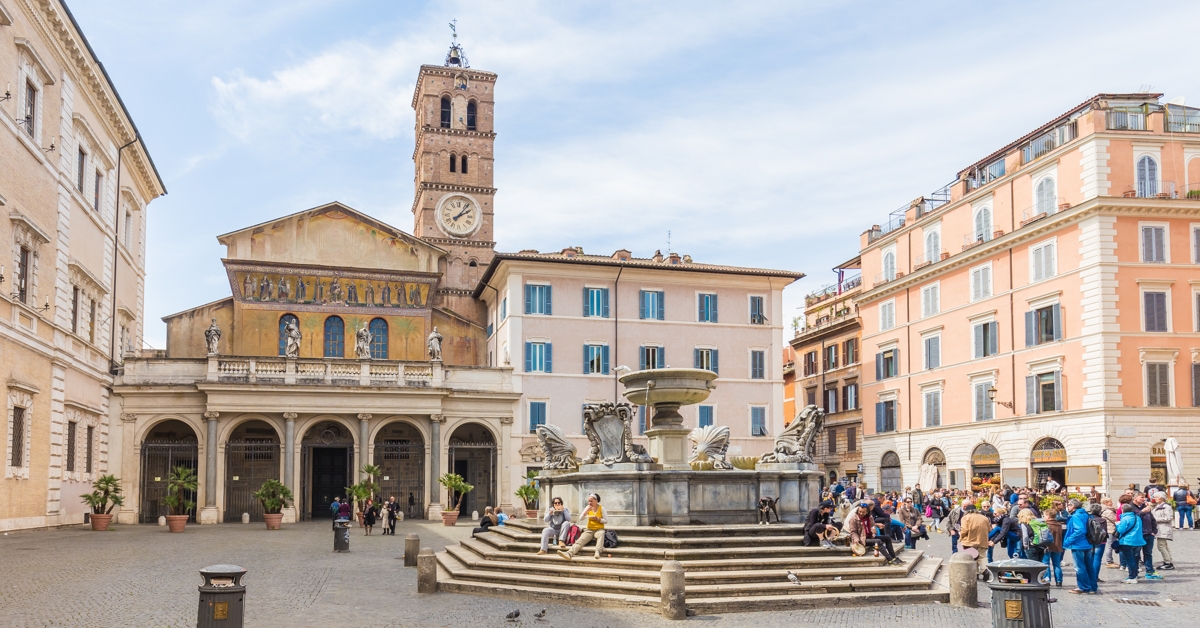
{"type": "Point", "coordinates": [539, 616]}
{"type": "Point", "coordinates": [793, 578]}
{"type": "Point", "coordinates": [513, 615]}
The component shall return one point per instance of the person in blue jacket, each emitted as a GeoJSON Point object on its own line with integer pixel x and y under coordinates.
{"type": "Point", "coordinates": [1082, 551]}
{"type": "Point", "coordinates": [1129, 530]}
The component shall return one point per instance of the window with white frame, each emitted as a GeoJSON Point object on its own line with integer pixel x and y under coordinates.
{"type": "Point", "coordinates": [80, 168]}
{"type": "Point", "coordinates": [931, 301]}
{"type": "Point", "coordinates": [707, 359]}
{"type": "Point", "coordinates": [30, 110]}
{"type": "Point", "coordinates": [1196, 241]}
{"type": "Point", "coordinates": [932, 401]}
{"type": "Point", "coordinates": [538, 357]}
{"type": "Point", "coordinates": [933, 245]}
{"type": "Point", "coordinates": [850, 396]}
{"type": "Point", "coordinates": [504, 308]}
{"type": "Point", "coordinates": [985, 339]}
{"type": "Point", "coordinates": [652, 357]}
{"type": "Point", "coordinates": [1045, 196]}
{"type": "Point", "coordinates": [706, 308]}
{"type": "Point", "coordinates": [758, 420]}
{"type": "Point", "coordinates": [983, 224]}
{"type": "Point", "coordinates": [933, 351]}
{"type": "Point", "coordinates": [981, 282]}
{"type": "Point", "coordinates": [831, 399]}
{"type": "Point", "coordinates": [1155, 244]}
{"type": "Point", "coordinates": [1147, 177]}
{"type": "Point", "coordinates": [1156, 313]}
{"type": "Point", "coordinates": [650, 305]}
{"type": "Point", "coordinates": [595, 359]}
{"type": "Point", "coordinates": [887, 364]}
{"type": "Point", "coordinates": [1044, 392]}
{"type": "Point", "coordinates": [595, 302]}
{"type": "Point", "coordinates": [705, 416]}
{"type": "Point", "coordinates": [758, 364]}
{"type": "Point", "coordinates": [1043, 324]}
{"type": "Point", "coordinates": [889, 264]}
{"type": "Point", "coordinates": [830, 357]}
{"type": "Point", "coordinates": [1043, 261]}
{"type": "Point", "coordinates": [1158, 384]}
{"type": "Point", "coordinates": [886, 416]}
{"type": "Point", "coordinates": [537, 299]}
{"type": "Point", "coordinates": [537, 415]}
{"type": "Point", "coordinates": [18, 444]}
{"type": "Point", "coordinates": [887, 315]}
{"type": "Point", "coordinates": [758, 314]}
{"type": "Point", "coordinates": [983, 404]}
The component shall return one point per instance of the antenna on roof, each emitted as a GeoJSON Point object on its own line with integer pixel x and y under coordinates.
{"type": "Point", "coordinates": [668, 241]}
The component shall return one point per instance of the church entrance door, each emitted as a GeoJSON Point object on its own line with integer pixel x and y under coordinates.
{"type": "Point", "coordinates": [330, 477]}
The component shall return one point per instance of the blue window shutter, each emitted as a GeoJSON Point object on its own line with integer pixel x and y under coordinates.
{"type": "Point", "coordinates": [696, 358]}
{"type": "Point", "coordinates": [994, 337]}
{"type": "Point", "coordinates": [878, 366]}
{"type": "Point", "coordinates": [661, 298]}
{"type": "Point", "coordinates": [879, 417]}
{"type": "Point", "coordinates": [1031, 396]}
{"type": "Point", "coordinates": [642, 304]}
{"type": "Point", "coordinates": [1031, 338]}
{"type": "Point", "coordinates": [713, 309]}
{"type": "Point", "coordinates": [1056, 311]}
{"type": "Point", "coordinates": [549, 303]}
{"type": "Point", "coordinates": [587, 360]}
{"type": "Point", "coordinates": [662, 356]}
{"type": "Point", "coordinates": [714, 362]}
{"type": "Point", "coordinates": [528, 299]}
{"type": "Point", "coordinates": [587, 302]}
{"type": "Point", "coordinates": [604, 359]}
{"type": "Point", "coordinates": [642, 358]}
{"type": "Point", "coordinates": [604, 302]}
{"type": "Point", "coordinates": [548, 367]}
{"type": "Point", "coordinates": [528, 357]}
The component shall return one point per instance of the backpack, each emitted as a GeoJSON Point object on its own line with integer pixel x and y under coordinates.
{"type": "Point", "coordinates": [610, 538]}
{"type": "Point", "coordinates": [1097, 531]}
{"type": "Point", "coordinates": [1042, 536]}
{"type": "Point", "coordinates": [572, 534]}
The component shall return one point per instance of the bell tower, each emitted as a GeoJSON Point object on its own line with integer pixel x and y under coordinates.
{"type": "Point", "coordinates": [453, 204]}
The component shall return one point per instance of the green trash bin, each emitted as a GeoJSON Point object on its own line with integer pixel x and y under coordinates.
{"type": "Point", "coordinates": [222, 597]}
{"type": "Point", "coordinates": [1020, 599]}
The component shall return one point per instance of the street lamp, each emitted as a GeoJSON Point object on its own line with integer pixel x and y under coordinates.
{"type": "Point", "coordinates": [992, 397]}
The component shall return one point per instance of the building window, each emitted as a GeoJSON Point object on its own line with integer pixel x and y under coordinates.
{"type": "Point", "coordinates": [850, 351]}
{"type": "Point", "coordinates": [981, 282]}
{"type": "Point", "coordinates": [810, 363]}
{"type": "Point", "coordinates": [830, 357]}
{"type": "Point", "coordinates": [650, 305]}
{"type": "Point", "coordinates": [97, 184]}
{"type": "Point", "coordinates": [831, 439]}
{"type": "Point", "coordinates": [1158, 384]}
{"type": "Point", "coordinates": [90, 448]}
{"type": "Point", "coordinates": [379, 339]}
{"type": "Point", "coordinates": [1147, 177]}
{"type": "Point", "coordinates": [706, 416]}
{"type": "Point", "coordinates": [850, 397]}
{"type": "Point", "coordinates": [537, 415]}
{"type": "Point", "coordinates": [92, 321]}
{"type": "Point", "coordinates": [537, 299]}
{"type": "Point", "coordinates": [453, 163]}
{"type": "Point", "coordinates": [335, 337]}
{"type": "Point", "coordinates": [984, 406]}
{"type": "Point", "coordinates": [1196, 385]}
{"type": "Point", "coordinates": [757, 315]}
{"type": "Point", "coordinates": [283, 323]}
{"type": "Point", "coordinates": [889, 266]}
{"type": "Point", "coordinates": [1043, 393]}
{"type": "Point", "coordinates": [983, 224]}
{"type": "Point", "coordinates": [986, 339]}
{"type": "Point", "coordinates": [490, 330]}
{"type": "Point", "coordinates": [931, 301]}
{"type": "Point", "coordinates": [80, 169]}
{"type": "Point", "coordinates": [641, 419]}
{"type": "Point", "coordinates": [445, 112]}
{"type": "Point", "coordinates": [595, 302]}
{"type": "Point", "coordinates": [1043, 325]}
{"type": "Point", "coordinates": [887, 315]}
{"type": "Point", "coordinates": [758, 421]}
{"type": "Point", "coordinates": [75, 309]}
{"type": "Point", "coordinates": [538, 357]}
{"type": "Point", "coordinates": [831, 400]}
{"type": "Point", "coordinates": [464, 164]}
{"type": "Point", "coordinates": [16, 445]}
{"type": "Point", "coordinates": [1046, 197]}
{"type": "Point", "coordinates": [851, 438]}
{"type": "Point", "coordinates": [706, 359]}
{"type": "Point", "coordinates": [23, 274]}
{"type": "Point", "coordinates": [887, 364]}
{"type": "Point", "coordinates": [504, 308]}
{"type": "Point", "coordinates": [933, 246]}
{"type": "Point", "coordinates": [128, 229]}
{"type": "Point", "coordinates": [885, 416]}
{"type": "Point", "coordinates": [595, 359]}
{"type": "Point", "coordinates": [933, 407]}
{"type": "Point", "coordinates": [1043, 261]}
{"type": "Point", "coordinates": [758, 364]}
{"type": "Point", "coordinates": [1154, 245]}
{"type": "Point", "coordinates": [933, 352]}
{"type": "Point", "coordinates": [811, 397]}
{"type": "Point", "coordinates": [31, 109]}
{"type": "Point", "coordinates": [1196, 239]}
{"type": "Point", "coordinates": [72, 426]}
{"type": "Point", "coordinates": [652, 357]}
{"type": "Point", "coordinates": [470, 117]}
{"type": "Point", "coordinates": [1155, 312]}
{"type": "Point", "coordinates": [707, 308]}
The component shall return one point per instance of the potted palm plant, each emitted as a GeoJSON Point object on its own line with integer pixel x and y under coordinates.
{"type": "Point", "coordinates": [456, 486]}
{"type": "Point", "coordinates": [364, 489]}
{"type": "Point", "coordinates": [528, 493]}
{"type": "Point", "coordinates": [180, 481]}
{"type": "Point", "coordinates": [274, 497]}
{"type": "Point", "coordinates": [105, 495]}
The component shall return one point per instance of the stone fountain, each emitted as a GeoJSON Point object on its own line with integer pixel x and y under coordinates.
{"type": "Point", "coordinates": [672, 482]}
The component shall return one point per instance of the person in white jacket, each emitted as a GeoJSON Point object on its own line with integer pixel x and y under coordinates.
{"type": "Point", "coordinates": [558, 523]}
{"type": "Point", "coordinates": [1164, 516]}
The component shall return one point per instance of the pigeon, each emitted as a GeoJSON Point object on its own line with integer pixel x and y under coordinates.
{"type": "Point", "coordinates": [793, 578]}
{"type": "Point", "coordinates": [539, 616]}
{"type": "Point", "coordinates": [513, 615]}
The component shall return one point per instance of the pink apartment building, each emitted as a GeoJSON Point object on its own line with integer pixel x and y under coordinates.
{"type": "Point", "coordinates": [566, 321]}
{"type": "Point", "coordinates": [1039, 317]}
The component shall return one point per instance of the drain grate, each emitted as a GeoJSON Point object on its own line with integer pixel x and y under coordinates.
{"type": "Point", "coordinates": [1125, 600]}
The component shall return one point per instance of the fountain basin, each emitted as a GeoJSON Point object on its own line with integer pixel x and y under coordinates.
{"type": "Point", "coordinates": [667, 389]}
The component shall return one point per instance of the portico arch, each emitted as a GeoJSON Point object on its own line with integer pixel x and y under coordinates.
{"type": "Point", "coordinates": [326, 464]}
{"type": "Point", "coordinates": [166, 444]}
{"type": "Point", "coordinates": [399, 453]}
{"type": "Point", "coordinates": [471, 453]}
{"type": "Point", "coordinates": [252, 457]}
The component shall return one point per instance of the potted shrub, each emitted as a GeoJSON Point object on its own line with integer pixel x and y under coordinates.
{"type": "Point", "coordinates": [528, 492]}
{"type": "Point", "coordinates": [180, 481]}
{"type": "Point", "coordinates": [106, 493]}
{"type": "Point", "coordinates": [274, 497]}
{"type": "Point", "coordinates": [456, 486]}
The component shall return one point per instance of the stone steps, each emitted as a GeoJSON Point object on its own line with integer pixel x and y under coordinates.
{"type": "Point", "coordinates": [794, 529]}
{"type": "Point", "coordinates": [632, 538]}
{"type": "Point", "coordinates": [630, 548]}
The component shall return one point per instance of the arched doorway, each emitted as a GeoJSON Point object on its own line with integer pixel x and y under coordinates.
{"type": "Point", "coordinates": [890, 478]}
{"type": "Point", "coordinates": [1158, 463]}
{"type": "Point", "coordinates": [985, 467]}
{"type": "Point", "coordinates": [251, 458]}
{"type": "Point", "coordinates": [169, 444]}
{"type": "Point", "coordinates": [937, 459]}
{"type": "Point", "coordinates": [400, 456]}
{"type": "Point", "coordinates": [472, 454]}
{"type": "Point", "coordinates": [325, 468]}
{"type": "Point", "coordinates": [1049, 458]}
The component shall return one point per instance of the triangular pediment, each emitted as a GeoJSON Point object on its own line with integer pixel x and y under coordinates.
{"type": "Point", "coordinates": [332, 235]}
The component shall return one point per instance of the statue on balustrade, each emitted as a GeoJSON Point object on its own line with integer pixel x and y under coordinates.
{"type": "Point", "coordinates": [284, 289]}
{"type": "Point", "coordinates": [292, 337]}
{"type": "Point", "coordinates": [362, 343]}
{"type": "Point", "coordinates": [212, 336]}
{"type": "Point", "coordinates": [435, 345]}
{"type": "Point", "coordinates": [798, 442]}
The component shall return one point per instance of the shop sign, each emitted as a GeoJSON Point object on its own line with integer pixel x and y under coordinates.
{"type": "Point", "coordinates": [985, 459]}
{"type": "Point", "coordinates": [1049, 455]}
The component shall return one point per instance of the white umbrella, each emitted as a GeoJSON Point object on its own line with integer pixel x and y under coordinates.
{"type": "Point", "coordinates": [1174, 462]}
{"type": "Point", "coordinates": [928, 477]}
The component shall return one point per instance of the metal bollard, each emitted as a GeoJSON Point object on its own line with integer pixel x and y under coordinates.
{"type": "Point", "coordinates": [412, 546]}
{"type": "Point", "coordinates": [426, 571]}
{"type": "Point", "coordinates": [674, 598]}
{"type": "Point", "coordinates": [222, 597]}
{"type": "Point", "coordinates": [964, 580]}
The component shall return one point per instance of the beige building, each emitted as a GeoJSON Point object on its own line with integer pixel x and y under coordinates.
{"type": "Point", "coordinates": [75, 182]}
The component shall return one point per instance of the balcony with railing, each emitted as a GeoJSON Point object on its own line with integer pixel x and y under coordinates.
{"type": "Point", "coordinates": [1037, 212]}
{"type": "Point", "coordinates": [829, 320]}
{"type": "Point", "coordinates": [1044, 144]}
{"type": "Point", "coordinates": [1155, 189]}
{"type": "Point", "coordinates": [973, 239]}
{"type": "Point", "coordinates": [1183, 120]}
{"type": "Point", "coordinates": [883, 278]}
{"type": "Point", "coordinates": [831, 290]}
{"type": "Point", "coordinates": [1126, 118]}
{"type": "Point", "coordinates": [924, 259]}
{"type": "Point", "coordinates": [984, 175]}
{"type": "Point", "coordinates": [921, 207]}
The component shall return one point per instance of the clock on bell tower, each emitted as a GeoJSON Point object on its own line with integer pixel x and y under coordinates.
{"type": "Point", "coordinates": [453, 205]}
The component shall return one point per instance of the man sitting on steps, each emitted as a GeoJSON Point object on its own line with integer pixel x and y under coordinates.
{"type": "Point", "coordinates": [819, 526]}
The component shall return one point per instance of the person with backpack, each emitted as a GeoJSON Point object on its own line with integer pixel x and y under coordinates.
{"type": "Point", "coordinates": [333, 510]}
{"type": "Point", "coordinates": [1052, 552]}
{"type": "Point", "coordinates": [1129, 530]}
{"type": "Point", "coordinates": [1164, 517]}
{"type": "Point", "coordinates": [1031, 534]}
{"type": "Point", "coordinates": [1082, 549]}
{"type": "Point", "coordinates": [1149, 531]}
{"type": "Point", "coordinates": [1097, 535]}
{"type": "Point", "coordinates": [1185, 502]}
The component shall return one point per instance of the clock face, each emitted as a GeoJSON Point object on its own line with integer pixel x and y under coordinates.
{"type": "Point", "coordinates": [459, 216]}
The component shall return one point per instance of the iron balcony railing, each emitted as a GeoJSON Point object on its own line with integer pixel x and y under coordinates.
{"type": "Point", "coordinates": [1153, 189]}
{"type": "Point", "coordinates": [1126, 119]}
{"type": "Point", "coordinates": [924, 206]}
{"type": "Point", "coordinates": [1044, 144]}
{"type": "Point", "coordinates": [923, 260]}
{"type": "Point", "coordinates": [1186, 121]}
{"type": "Point", "coordinates": [829, 290]}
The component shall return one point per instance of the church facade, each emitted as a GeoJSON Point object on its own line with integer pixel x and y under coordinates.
{"type": "Point", "coordinates": [346, 341]}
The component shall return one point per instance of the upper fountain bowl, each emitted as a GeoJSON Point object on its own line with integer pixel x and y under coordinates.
{"type": "Point", "coordinates": [668, 386]}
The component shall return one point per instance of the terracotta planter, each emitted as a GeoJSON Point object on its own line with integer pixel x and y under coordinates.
{"type": "Point", "coordinates": [100, 522]}
{"type": "Point", "coordinates": [176, 523]}
{"type": "Point", "coordinates": [273, 521]}
{"type": "Point", "coordinates": [449, 518]}
{"type": "Point", "coordinates": [531, 514]}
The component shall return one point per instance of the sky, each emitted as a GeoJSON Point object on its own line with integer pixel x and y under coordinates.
{"type": "Point", "coordinates": [764, 134]}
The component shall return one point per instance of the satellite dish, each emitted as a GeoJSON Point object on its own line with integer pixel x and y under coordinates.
{"type": "Point", "coordinates": [1177, 101]}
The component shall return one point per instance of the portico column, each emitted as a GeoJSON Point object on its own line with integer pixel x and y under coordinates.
{"type": "Point", "coordinates": [130, 476]}
{"type": "Point", "coordinates": [208, 514]}
{"type": "Point", "coordinates": [289, 451]}
{"type": "Point", "coordinates": [504, 470]}
{"type": "Point", "coordinates": [435, 466]}
{"type": "Point", "coordinates": [364, 432]}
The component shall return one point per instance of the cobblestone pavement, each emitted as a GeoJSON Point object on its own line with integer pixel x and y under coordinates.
{"type": "Point", "coordinates": [143, 576]}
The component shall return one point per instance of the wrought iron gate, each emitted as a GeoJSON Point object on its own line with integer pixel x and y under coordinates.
{"type": "Point", "coordinates": [402, 475]}
{"type": "Point", "coordinates": [476, 462]}
{"type": "Point", "coordinates": [158, 458]}
{"type": "Point", "coordinates": [248, 463]}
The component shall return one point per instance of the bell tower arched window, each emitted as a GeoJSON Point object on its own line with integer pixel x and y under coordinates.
{"type": "Point", "coordinates": [445, 112]}
{"type": "Point", "coordinates": [464, 164]}
{"type": "Point", "coordinates": [453, 163]}
{"type": "Point", "coordinates": [471, 116]}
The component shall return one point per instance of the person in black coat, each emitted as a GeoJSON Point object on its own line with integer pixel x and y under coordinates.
{"type": "Point", "coordinates": [819, 527]}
